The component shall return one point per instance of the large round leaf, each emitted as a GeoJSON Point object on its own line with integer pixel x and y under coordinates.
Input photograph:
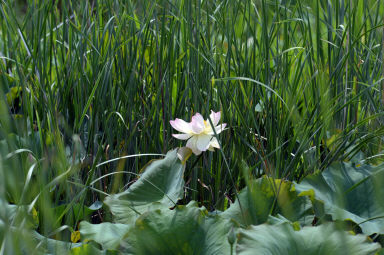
{"type": "Point", "coordinates": [109, 235]}
{"type": "Point", "coordinates": [349, 192]}
{"type": "Point", "coordinates": [161, 185]}
{"type": "Point", "coordinates": [266, 196]}
{"type": "Point", "coordinates": [184, 230]}
{"type": "Point", "coordinates": [282, 239]}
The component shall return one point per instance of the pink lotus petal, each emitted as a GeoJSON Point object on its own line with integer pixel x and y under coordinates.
{"type": "Point", "coordinates": [182, 136]}
{"type": "Point", "coordinates": [192, 145]}
{"type": "Point", "coordinates": [215, 117]}
{"type": "Point", "coordinates": [181, 126]}
{"type": "Point", "coordinates": [197, 123]}
{"type": "Point", "coordinates": [218, 129]}
{"type": "Point", "coordinates": [202, 142]}
{"type": "Point", "coordinates": [214, 143]}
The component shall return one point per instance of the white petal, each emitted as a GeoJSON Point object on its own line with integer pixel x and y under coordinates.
{"type": "Point", "coordinates": [182, 136]}
{"type": "Point", "coordinates": [218, 129]}
{"type": "Point", "coordinates": [214, 144]}
{"type": "Point", "coordinates": [181, 125]}
{"type": "Point", "coordinates": [197, 123]}
{"type": "Point", "coordinates": [202, 142]}
{"type": "Point", "coordinates": [192, 145]}
{"type": "Point", "coordinates": [215, 117]}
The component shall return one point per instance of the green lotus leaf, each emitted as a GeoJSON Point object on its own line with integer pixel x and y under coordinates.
{"type": "Point", "coordinates": [109, 235]}
{"type": "Point", "coordinates": [183, 230]}
{"type": "Point", "coordinates": [17, 236]}
{"type": "Point", "coordinates": [52, 246]}
{"type": "Point", "coordinates": [17, 240]}
{"type": "Point", "coordinates": [348, 192]}
{"type": "Point", "coordinates": [17, 215]}
{"type": "Point", "coordinates": [90, 249]}
{"type": "Point", "coordinates": [266, 196]}
{"type": "Point", "coordinates": [161, 185]}
{"type": "Point", "coordinates": [283, 239]}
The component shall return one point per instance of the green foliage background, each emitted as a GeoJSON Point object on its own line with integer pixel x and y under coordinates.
{"type": "Point", "coordinates": [83, 82]}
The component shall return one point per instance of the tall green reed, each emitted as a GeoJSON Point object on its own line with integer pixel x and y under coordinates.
{"type": "Point", "coordinates": [298, 82]}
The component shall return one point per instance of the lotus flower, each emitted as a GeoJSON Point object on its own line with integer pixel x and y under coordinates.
{"type": "Point", "coordinates": [199, 132]}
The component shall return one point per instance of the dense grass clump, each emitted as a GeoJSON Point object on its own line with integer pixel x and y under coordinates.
{"type": "Point", "coordinates": [298, 82]}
